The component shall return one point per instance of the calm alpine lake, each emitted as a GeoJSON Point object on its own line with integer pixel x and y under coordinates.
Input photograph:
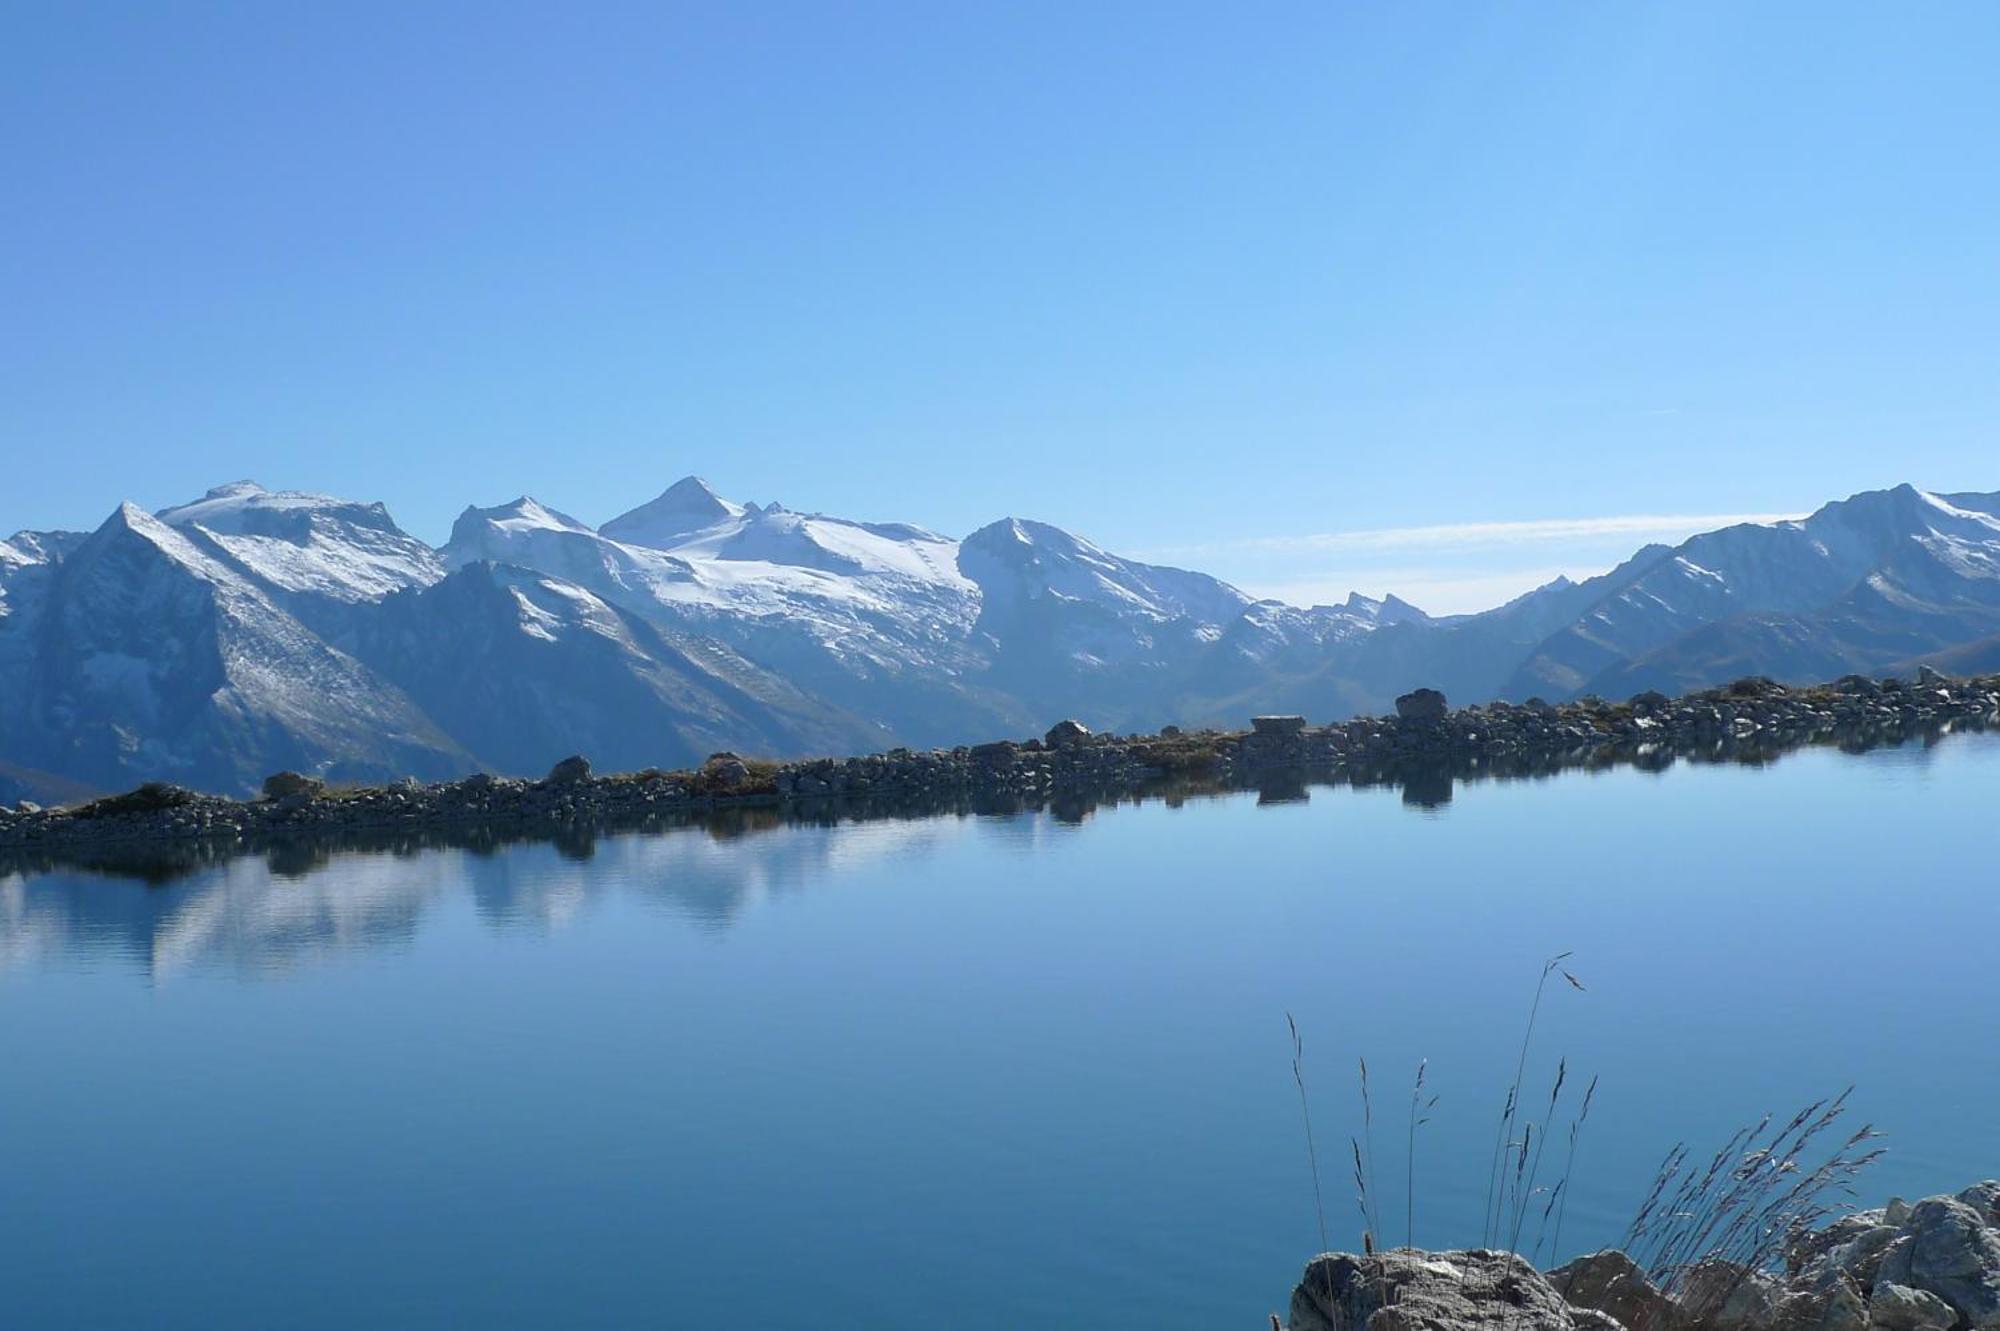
{"type": "Point", "coordinates": [979, 1072]}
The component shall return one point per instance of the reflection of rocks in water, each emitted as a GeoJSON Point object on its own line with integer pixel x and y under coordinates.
{"type": "Point", "coordinates": [268, 913]}
{"type": "Point", "coordinates": [1427, 787]}
{"type": "Point", "coordinates": [1653, 758]}
{"type": "Point", "coordinates": [270, 906]}
{"type": "Point", "coordinates": [1285, 785]}
{"type": "Point", "coordinates": [237, 913]}
{"type": "Point", "coordinates": [574, 843]}
{"type": "Point", "coordinates": [1071, 807]}
{"type": "Point", "coordinates": [297, 859]}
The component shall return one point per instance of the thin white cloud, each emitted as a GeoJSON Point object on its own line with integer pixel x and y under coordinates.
{"type": "Point", "coordinates": [1477, 535]}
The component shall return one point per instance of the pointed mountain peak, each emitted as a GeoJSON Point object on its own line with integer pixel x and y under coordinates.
{"type": "Point", "coordinates": [524, 511]}
{"type": "Point", "coordinates": [693, 490]}
{"type": "Point", "coordinates": [128, 516]}
{"type": "Point", "coordinates": [129, 522]}
{"type": "Point", "coordinates": [688, 505]}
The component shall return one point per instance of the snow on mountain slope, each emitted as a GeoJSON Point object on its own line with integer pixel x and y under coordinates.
{"type": "Point", "coordinates": [772, 554]}
{"type": "Point", "coordinates": [530, 535]}
{"type": "Point", "coordinates": [886, 640]}
{"type": "Point", "coordinates": [1017, 561]}
{"type": "Point", "coordinates": [688, 505]}
{"type": "Point", "coordinates": [312, 544]}
{"type": "Point", "coordinates": [1899, 543]}
{"type": "Point", "coordinates": [155, 658]}
{"type": "Point", "coordinates": [1070, 628]}
{"type": "Point", "coordinates": [27, 556]}
{"type": "Point", "coordinates": [257, 629]}
{"type": "Point", "coordinates": [523, 668]}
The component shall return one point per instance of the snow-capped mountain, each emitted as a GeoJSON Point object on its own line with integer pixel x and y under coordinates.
{"type": "Point", "coordinates": [254, 629]}
{"type": "Point", "coordinates": [143, 652]}
{"type": "Point", "coordinates": [1860, 583]}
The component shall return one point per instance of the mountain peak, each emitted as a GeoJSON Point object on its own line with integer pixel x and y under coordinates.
{"type": "Point", "coordinates": [693, 490]}
{"type": "Point", "coordinates": [522, 512]}
{"type": "Point", "coordinates": [234, 490]}
{"type": "Point", "coordinates": [690, 504]}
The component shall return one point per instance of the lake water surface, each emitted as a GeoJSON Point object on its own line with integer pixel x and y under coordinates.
{"type": "Point", "coordinates": [968, 1073]}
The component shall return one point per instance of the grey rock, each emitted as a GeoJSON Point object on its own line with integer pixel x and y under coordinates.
{"type": "Point", "coordinates": [1064, 734]}
{"type": "Point", "coordinates": [1985, 1199]}
{"type": "Point", "coordinates": [291, 785]}
{"type": "Point", "coordinates": [1852, 1246]}
{"type": "Point", "coordinates": [27, 806]}
{"type": "Point", "coordinates": [1836, 1307]}
{"type": "Point", "coordinates": [726, 769]}
{"type": "Point", "coordinates": [1278, 725]}
{"type": "Point", "coordinates": [1422, 705]}
{"type": "Point", "coordinates": [1727, 1296]}
{"type": "Point", "coordinates": [1406, 1290]}
{"type": "Point", "coordinates": [1610, 1282]}
{"type": "Point", "coordinates": [570, 771]}
{"type": "Point", "coordinates": [1949, 1250]}
{"type": "Point", "coordinates": [1893, 1307]}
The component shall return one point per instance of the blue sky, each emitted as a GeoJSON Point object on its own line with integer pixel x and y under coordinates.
{"type": "Point", "coordinates": [1230, 284]}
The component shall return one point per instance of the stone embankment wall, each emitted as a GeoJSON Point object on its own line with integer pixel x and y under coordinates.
{"type": "Point", "coordinates": [1425, 745]}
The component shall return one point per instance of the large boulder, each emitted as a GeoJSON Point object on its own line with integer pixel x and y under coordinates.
{"type": "Point", "coordinates": [1949, 1250]}
{"type": "Point", "coordinates": [726, 770]}
{"type": "Point", "coordinates": [1407, 1290]}
{"type": "Point", "coordinates": [1064, 734]}
{"type": "Point", "coordinates": [1278, 725]}
{"type": "Point", "coordinates": [570, 771]}
{"type": "Point", "coordinates": [1612, 1283]}
{"type": "Point", "coordinates": [1422, 705]}
{"type": "Point", "coordinates": [999, 753]}
{"type": "Point", "coordinates": [1727, 1296]}
{"type": "Point", "coordinates": [1984, 1198]}
{"type": "Point", "coordinates": [1894, 1307]}
{"type": "Point", "coordinates": [292, 785]}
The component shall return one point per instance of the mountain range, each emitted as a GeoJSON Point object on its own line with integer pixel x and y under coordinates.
{"type": "Point", "coordinates": [251, 630]}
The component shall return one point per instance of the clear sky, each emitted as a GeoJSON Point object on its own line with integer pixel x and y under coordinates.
{"type": "Point", "coordinates": [1227, 284]}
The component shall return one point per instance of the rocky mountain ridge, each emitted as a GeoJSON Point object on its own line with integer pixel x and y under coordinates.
{"type": "Point", "coordinates": [252, 629]}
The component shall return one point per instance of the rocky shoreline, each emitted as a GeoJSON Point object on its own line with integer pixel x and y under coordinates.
{"type": "Point", "coordinates": [1425, 748]}
{"type": "Point", "coordinates": [1929, 1266]}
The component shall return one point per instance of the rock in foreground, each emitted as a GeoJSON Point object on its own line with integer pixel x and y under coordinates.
{"type": "Point", "coordinates": [1409, 1290]}
{"type": "Point", "coordinates": [1931, 1266]}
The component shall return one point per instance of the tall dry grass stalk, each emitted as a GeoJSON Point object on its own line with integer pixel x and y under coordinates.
{"type": "Point", "coordinates": [1361, 1197]}
{"type": "Point", "coordinates": [1503, 1143]}
{"type": "Point", "coordinates": [1417, 1106]}
{"type": "Point", "coordinates": [1305, 1112]}
{"type": "Point", "coordinates": [1753, 1196]}
{"type": "Point", "coordinates": [1523, 1195]}
{"type": "Point", "coordinates": [1372, 1213]}
{"type": "Point", "coordinates": [1514, 1174]}
{"type": "Point", "coordinates": [1559, 1199]}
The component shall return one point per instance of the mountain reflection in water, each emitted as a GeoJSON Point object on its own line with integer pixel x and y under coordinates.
{"type": "Point", "coordinates": [166, 908]}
